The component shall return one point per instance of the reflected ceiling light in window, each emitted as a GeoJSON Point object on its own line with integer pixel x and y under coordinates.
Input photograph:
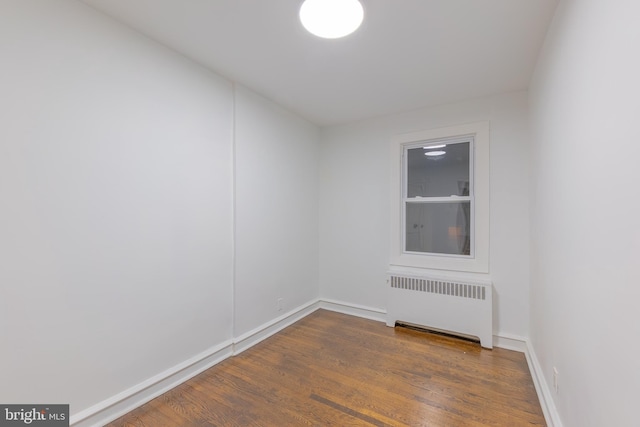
{"type": "Point", "coordinates": [435, 153]}
{"type": "Point", "coordinates": [431, 147]}
{"type": "Point", "coordinates": [331, 19]}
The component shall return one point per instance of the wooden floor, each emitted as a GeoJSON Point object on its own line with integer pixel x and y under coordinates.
{"type": "Point", "coordinates": [330, 369]}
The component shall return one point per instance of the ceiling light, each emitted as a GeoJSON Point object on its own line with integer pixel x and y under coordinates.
{"type": "Point", "coordinates": [431, 147]}
{"type": "Point", "coordinates": [331, 19]}
{"type": "Point", "coordinates": [435, 153]}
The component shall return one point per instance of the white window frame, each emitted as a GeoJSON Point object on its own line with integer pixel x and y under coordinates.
{"type": "Point", "coordinates": [419, 200]}
{"type": "Point", "coordinates": [478, 260]}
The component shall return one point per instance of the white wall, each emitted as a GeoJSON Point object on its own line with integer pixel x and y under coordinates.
{"type": "Point", "coordinates": [117, 208]}
{"type": "Point", "coordinates": [585, 209]}
{"type": "Point", "coordinates": [117, 205]}
{"type": "Point", "coordinates": [355, 204]}
{"type": "Point", "coordinates": [276, 158]}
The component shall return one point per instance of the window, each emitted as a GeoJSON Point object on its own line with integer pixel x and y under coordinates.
{"type": "Point", "coordinates": [438, 197]}
{"type": "Point", "coordinates": [440, 215]}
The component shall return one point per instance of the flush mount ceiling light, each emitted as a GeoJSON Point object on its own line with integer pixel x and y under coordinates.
{"type": "Point", "coordinates": [431, 147]}
{"type": "Point", "coordinates": [331, 19]}
{"type": "Point", "coordinates": [435, 153]}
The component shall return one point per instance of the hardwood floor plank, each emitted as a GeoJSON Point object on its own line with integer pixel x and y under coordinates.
{"type": "Point", "coordinates": [331, 369]}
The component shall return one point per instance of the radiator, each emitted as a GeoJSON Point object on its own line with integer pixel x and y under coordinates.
{"type": "Point", "coordinates": [457, 307]}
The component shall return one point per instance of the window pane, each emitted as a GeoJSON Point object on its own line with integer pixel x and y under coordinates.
{"type": "Point", "coordinates": [442, 175]}
{"type": "Point", "coordinates": [442, 228]}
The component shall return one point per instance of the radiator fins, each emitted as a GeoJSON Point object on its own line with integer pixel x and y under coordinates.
{"type": "Point", "coordinates": [463, 290]}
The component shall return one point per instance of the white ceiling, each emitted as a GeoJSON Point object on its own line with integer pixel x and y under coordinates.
{"type": "Point", "coordinates": [408, 54]}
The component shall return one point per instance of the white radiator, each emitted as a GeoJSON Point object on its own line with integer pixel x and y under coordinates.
{"type": "Point", "coordinates": [458, 307]}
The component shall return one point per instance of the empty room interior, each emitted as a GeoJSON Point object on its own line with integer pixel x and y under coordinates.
{"type": "Point", "coordinates": [192, 185]}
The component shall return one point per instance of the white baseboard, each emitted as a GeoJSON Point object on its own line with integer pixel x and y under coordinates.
{"type": "Point", "coordinates": [510, 342]}
{"type": "Point", "coordinates": [370, 313]}
{"type": "Point", "coordinates": [262, 332]}
{"type": "Point", "coordinates": [124, 402]}
{"type": "Point", "coordinates": [551, 414]}
{"type": "Point", "coordinates": [523, 345]}
{"type": "Point", "coordinates": [505, 341]}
